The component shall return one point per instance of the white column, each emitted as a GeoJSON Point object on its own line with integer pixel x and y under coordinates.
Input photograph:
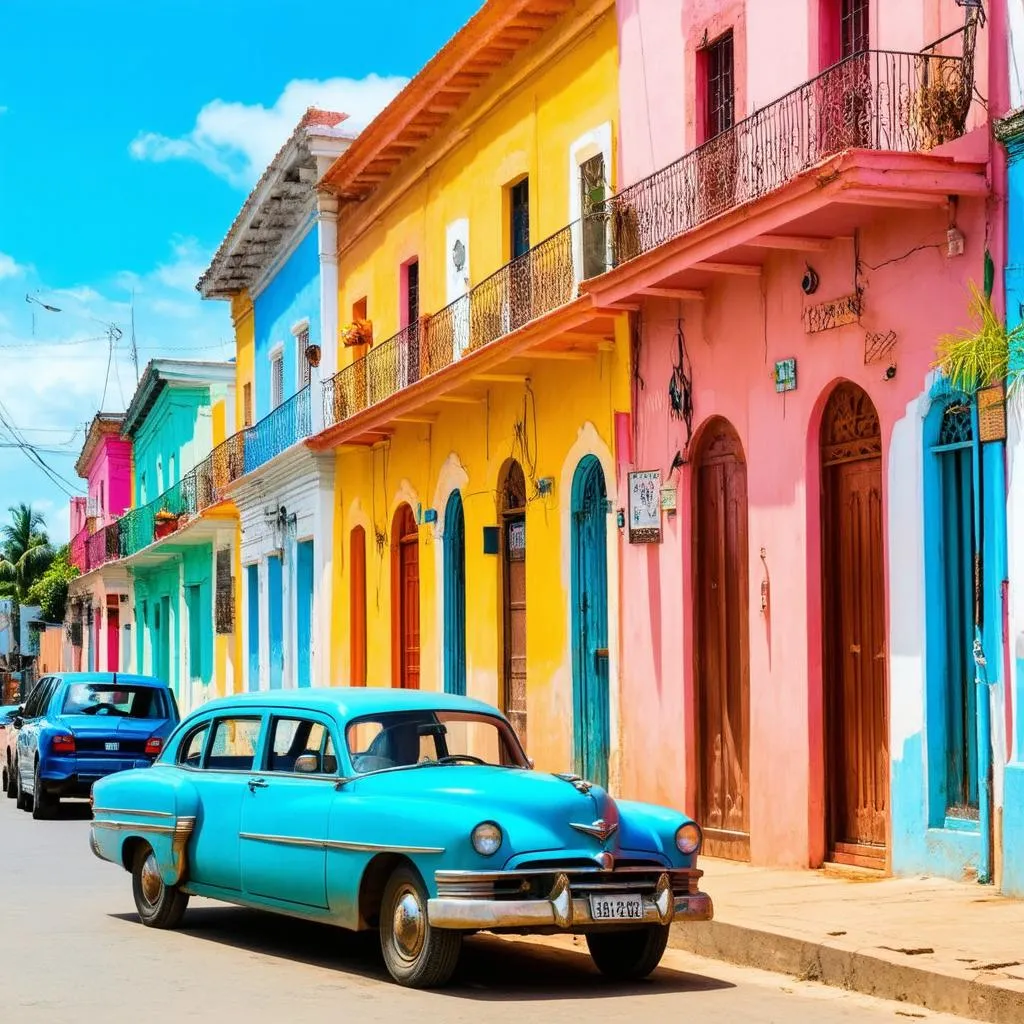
{"type": "Point", "coordinates": [323, 572]}
{"type": "Point", "coordinates": [327, 229]}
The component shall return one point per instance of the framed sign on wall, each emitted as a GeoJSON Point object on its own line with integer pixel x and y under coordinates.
{"type": "Point", "coordinates": [645, 507]}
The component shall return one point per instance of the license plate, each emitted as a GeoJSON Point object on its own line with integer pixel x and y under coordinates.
{"type": "Point", "coordinates": [111, 746]}
{"type": "Point", "coordinates": [616, 908]}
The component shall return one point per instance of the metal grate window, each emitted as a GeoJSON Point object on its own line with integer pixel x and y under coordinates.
{"type": "Point", "coordinates": [721, 85]}
{"type": "Point", "coordinates": [225, 595]}
{"type": "Point", "coordinates": [302, 341]}
{"type": "Point", "coordinates": [854, 33]}
{"type": "Point", "coordinates": [276, 380]}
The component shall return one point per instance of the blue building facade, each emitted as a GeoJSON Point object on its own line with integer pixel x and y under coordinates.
{"type": "Point", "coordinates": [1011, 132]}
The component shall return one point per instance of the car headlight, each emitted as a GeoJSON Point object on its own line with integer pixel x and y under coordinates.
{"type": "Point", "coordinates": [688, 838]}
{"type": "Point", "coordinates": [486, 838]}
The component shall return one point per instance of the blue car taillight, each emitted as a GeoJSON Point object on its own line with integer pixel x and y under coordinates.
{"type": "Point", "coordinates": [63, 743]}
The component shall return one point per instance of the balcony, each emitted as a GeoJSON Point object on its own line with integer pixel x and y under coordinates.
{"type": "Point", "coordinates": [288, 424]}
{"type": "Point", "coordinates": [78, 551]}
{"type": "Point", "coordinates": [875, 100]}
{"type": "Point", "coordinates": [538, 282]}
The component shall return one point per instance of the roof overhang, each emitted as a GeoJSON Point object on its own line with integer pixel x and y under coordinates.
{"type": "Point", "coordinates": [160, 373]}
{"type": "Point", "coordinates": [281, 201]}
{"type": "Point", "coordinates": [104, 424]}
{"type": "Point", "coordinates": [484, 46]}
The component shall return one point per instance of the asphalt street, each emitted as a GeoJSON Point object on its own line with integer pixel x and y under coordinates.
{"type": "Point", "coordinates": [72, 950]}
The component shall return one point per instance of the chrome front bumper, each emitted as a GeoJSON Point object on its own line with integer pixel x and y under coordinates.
{"type": "Point", "coordinates": [562, 911]}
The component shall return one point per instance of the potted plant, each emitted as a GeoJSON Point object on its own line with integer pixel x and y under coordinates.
{"type": "Point", "coordinates": [164, 522]}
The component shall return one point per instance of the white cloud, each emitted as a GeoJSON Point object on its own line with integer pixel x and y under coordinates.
{"type": "Point", "coordinates": [236, 141]}
{"type": "Point", "coordinates": [182, 272]}
{"type": "Point", "coordinates": [8, 266]}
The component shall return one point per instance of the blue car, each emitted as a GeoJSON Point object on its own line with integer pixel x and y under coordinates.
{"type": "Point", "coordinates": [416, 814]}
{"type": "Point", "coordinates": [78, 727]}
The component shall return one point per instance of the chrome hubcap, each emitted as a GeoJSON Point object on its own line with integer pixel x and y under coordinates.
{"type": "Point", "coordinates": [408, 926]}
{"type": "Point", "coordinates": [152, 883]}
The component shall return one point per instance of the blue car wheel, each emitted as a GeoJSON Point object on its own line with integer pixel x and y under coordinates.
{"type": "Point", "coordinates": [43, 804]}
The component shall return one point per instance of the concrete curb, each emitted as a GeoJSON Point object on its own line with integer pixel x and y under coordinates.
{"type": "Point", "coordinates": [984, 997]}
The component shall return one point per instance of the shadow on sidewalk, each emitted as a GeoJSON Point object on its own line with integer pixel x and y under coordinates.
{"type": "Point", "coordinates": [490, 969]}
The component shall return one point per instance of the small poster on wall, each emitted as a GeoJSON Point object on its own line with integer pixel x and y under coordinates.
{"type": "Point", "coordinates": [645, 507]}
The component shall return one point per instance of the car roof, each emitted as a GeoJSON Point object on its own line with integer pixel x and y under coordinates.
{"type": "Point", "coordinates": [110, 677]}
{"type": "Point", "coordinates": [351, 701]}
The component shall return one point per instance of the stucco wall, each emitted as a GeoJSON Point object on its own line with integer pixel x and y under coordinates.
{"type": "Point", "coordinates": [290, 295]}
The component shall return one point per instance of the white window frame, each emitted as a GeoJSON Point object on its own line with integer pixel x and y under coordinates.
{"type": "Point", "coordinates": [303, 371]}
{"type": "Point", "coordinates": [275, 355]}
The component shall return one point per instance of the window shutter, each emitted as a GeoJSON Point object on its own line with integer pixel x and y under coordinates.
{"type": "Point", "coordinates": [304, 369]}
{"type": "Point", "coordinates": [277, 381]}
{"type": "Point", "coordinates": [225, 593]}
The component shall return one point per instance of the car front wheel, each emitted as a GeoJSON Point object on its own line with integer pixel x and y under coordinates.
{"type": "Point", "coordinates": [159, 905]}
{"type": "Point", "coordinates": [628, 955]}
{"type": "Point", "coordinates": [416, 955]}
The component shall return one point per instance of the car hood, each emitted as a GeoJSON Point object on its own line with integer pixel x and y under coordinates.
{"type": "Point", "coordinates": [536, 811]}
{"type": "Point", "coordinates": [111, 725]}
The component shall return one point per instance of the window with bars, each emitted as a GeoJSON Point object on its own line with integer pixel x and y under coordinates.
{"type": "Point", "coordinates": [224, 598]}
{"type": "Point", "coordinates": [720, 85]}
{"type": "Point", "coordinates": [247, 404]}
{"type": "Point", "coordinates": [302, 343]}
{"type": "Point", "coordinates": [276, 379]}
{"type": "Point", "coordinates": [853, 27]}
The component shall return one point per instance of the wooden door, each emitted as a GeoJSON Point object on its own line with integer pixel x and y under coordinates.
{"type": "Point", "coordinates": [513, 625]}
{"type": "Point", "coordinates": [406, 542]}
{"type": "Point", "coordinates": [594, 211]}
{"type": "Point", "coordinates": [843, 95]}
{"type": "Point", "coordinates": [113, 639]}
{"type": "Point", "coordinates": [520, 290]}
{"type": "Point", "coordinates": [855, 656]}
{"type": "Point", "coordinates": [454, 596]}
{"type": "Point", "coordinates": [722, 669]}
{"type": "Point", "coordinates": [591, 701]}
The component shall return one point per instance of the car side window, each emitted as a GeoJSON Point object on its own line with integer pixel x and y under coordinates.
{"type": "Point", "coordinates": [295, 738]}
{"type": "Point", "coordinates": [39, 701]}
{"type": "Point", "coordinates": [234, 744]}
{"type": "Point", "coordinates": [190, 751]}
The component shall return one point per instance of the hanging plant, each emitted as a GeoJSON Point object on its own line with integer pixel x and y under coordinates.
{"type": "Point", "coordinates": [974, 357]}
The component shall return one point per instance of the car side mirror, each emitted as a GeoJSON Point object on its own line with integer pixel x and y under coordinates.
{"type": "Point", "coordinates": [308, 764]}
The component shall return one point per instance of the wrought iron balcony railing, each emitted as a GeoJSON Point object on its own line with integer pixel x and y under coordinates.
{"type": "Point", "coordinates": [278, 431]}
{"type": "Point", "coordinates": [103, 546]}
{"type": "Point", "coordinates": [78, 552]}
{"type": "Point", "coordinates": [879, 100]}
{"type": "Point", "coordinates": [542, 279]}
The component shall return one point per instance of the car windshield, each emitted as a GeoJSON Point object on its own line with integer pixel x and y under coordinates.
{"type": "Point", "coordinates": [401, 739]}
{"type": "Point", "coordinates": [116, 699]}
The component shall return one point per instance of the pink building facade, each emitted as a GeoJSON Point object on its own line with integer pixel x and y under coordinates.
{"type": "Point", "coordinates": [98, 599]}
{"type": "Point", "coordinates": [815, 187]}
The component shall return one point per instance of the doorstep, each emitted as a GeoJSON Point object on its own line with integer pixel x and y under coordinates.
{"type": "Point", "coordinates": [952, 947]}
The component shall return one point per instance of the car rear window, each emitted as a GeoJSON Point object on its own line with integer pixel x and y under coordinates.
{"type": "Point", "coordinates": [117, 700]}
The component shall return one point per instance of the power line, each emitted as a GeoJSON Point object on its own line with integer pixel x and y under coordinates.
{"type": "Point", "coordinates": [32, 455]}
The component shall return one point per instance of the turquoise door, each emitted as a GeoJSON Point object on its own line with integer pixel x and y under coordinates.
{"type": "Point", "coordinates": [252, 579]}
{"type": "Point", "coordinates": [591, 710]}
{"type": "Point", "coordinates": [275, 627]}
{"type": "Point", "coordinates": [303, 611]}
{"type": "Point", "coordinates": [454, 596]}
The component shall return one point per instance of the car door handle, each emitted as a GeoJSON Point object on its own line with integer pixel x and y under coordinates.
{"type": "Point", "coordinates": [255, 784]}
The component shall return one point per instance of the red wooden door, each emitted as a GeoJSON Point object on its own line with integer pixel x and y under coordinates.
{"type": "Point", "coordinates": [405, 538]}
{"type": "Point", "coordinates": [113, 639]}
{"type": "Point", "coordinates": [722, 669]}
{"type": "Point", "coordinates": [855, 656]}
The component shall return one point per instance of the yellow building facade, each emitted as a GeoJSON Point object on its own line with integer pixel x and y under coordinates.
{"type": "Point", "coordinates": [475, 413]}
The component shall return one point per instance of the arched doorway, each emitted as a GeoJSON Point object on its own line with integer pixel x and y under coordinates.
{"type": "Point", "coordinates": [512, 500]}
{"type": "Point", "coordinates": [405, 602]}
{"type": "Point", "coordinates": [591, 703]}
{"type": "Point", "coordinates": [454, 596]}
{"type": "Point", "coordinates": [854, 646]}
{"type": "Point", "coordinates": [721, 655]}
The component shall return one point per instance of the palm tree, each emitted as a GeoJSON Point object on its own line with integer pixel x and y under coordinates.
{"type": "Point", "coordinates": [25, 554]}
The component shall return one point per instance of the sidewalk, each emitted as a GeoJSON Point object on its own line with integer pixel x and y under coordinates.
{"type": "Point", "coordinates": [949, 946]}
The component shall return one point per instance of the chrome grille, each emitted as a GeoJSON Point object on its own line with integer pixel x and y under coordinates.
{"type": "Point", "coordinates": [537, 882]}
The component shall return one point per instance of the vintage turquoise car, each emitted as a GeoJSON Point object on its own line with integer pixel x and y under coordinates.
{"type": "Point", "coordinates": [414, 813]}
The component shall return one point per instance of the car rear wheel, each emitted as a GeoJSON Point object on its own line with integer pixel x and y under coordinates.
{"type": "Point", "coordinates": [5, 781]}
{"type": "Point", "coordinates": [628, 955]}
{"type": "Point", "coordinates": [12, 785]}
{"type": "Point", "coordinates": [43, 804]}
{"type": "Point", "coordinates": [21, 798]}
{"type": "Point", "coordinates": [416, 955]}
{"type": "Point", "coordinates": [159, 905]}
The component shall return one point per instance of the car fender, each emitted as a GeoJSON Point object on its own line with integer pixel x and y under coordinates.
{"type": "Point", "coordinates": [159, 806]}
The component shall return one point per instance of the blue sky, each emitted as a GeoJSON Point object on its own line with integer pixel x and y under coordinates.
{"type": "Point", "coordinates": [130, 134]}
